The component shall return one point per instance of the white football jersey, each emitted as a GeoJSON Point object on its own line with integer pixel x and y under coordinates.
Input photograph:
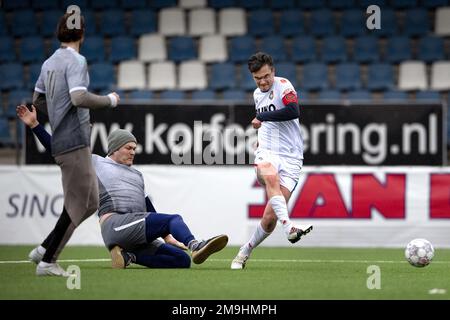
{"type": "Point", "coordinates": [280, 137]}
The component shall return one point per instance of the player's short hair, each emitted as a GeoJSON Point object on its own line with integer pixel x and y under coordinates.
{"type": "Point", "coordinates": [258, 60]}
{"type": "Point", "coordinates": [66, 34]}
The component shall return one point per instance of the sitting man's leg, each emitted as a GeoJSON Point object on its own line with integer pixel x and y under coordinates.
{"type": "Point", "coordinates": [161, 255]}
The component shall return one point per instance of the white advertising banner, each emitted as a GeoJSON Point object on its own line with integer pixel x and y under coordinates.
{"type": "Point", "coordinates": [348, 206]}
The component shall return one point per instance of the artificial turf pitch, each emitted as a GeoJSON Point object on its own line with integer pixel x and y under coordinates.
{"type": "Point", "coordinates": [293, 273]}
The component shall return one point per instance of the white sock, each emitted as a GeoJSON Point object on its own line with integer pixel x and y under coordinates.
{"type": "Point", "coordinates": [41, 250]}
{"type": "Point", "coordinates": [279, 205]}
{"type": "Point", "coordinates": [258, 236]}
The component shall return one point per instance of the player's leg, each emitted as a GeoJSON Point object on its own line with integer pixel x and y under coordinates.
{"type": "Point", "coordinates": [162, 256]}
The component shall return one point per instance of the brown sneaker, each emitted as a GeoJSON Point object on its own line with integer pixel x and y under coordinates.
{"type": "Point", "coordinates": [205, 248]}
{"type": "Point", "coordinates": [119, 258]}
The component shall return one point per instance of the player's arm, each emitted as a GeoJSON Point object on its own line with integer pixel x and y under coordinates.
{"type": "Point", "coordinates": [30, 119]}
{"type": "Point", "coordinates": [290, 112]}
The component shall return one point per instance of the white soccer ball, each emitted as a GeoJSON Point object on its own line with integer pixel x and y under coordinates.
{"type": "Point", "coordinates": [419, 252]}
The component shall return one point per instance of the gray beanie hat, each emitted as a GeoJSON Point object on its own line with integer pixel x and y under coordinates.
{"type": "Point", "coordinates": [118, 138]}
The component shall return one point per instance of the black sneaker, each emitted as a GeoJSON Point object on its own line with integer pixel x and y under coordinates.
{"type": "Point", "coordinates": [120, 258]}
{"type": "Point", "coordinates": [296, 233]}
{"type": "Point", "coordinates": [203, 249]}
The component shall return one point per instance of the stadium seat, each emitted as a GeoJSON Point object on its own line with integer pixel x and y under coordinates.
{"type": "Point", "coordinates": [232, 22]}
{"type": "Point", "coordinates": [103, 4]}
{"type": "Point", "coordinates": [251, 4]}
{"type": "Point", "coordinates": [15, 4]}
{"type": "Point", "coordinates": [380, 76]}
{"type": "Point", "coordinates": [398, 49]}
{"type": "Point", "coordinates": [287, 70]}
{"type": "Point", "coordinates": [152, 47]}
{"type": "Point", "coordinates": [162, 76]}
{"type": "Point", "coordinates": [49, 21]}
{"type": "Point", "coordinates": [412, 76]}
{"type": "Point", "coordinates": [131, 75]}
{"type": "Point", "coordinates": [132, 5]}
{"type": "Point", "coordinates": [365, 49]}
{"type": "Point", "coordinates": [12, 76]}
{"type": "Point", "coordinates": [246, 81]}
{"type": "Point", "coordinates": [222, 76]}
{"type": "Point", "coordinates": [34, 70]}
{"type": "Point", "coordinates": [329, 95]}
{"type": "Point", "coordinates": [5, 133]}
{"type": "Point", "coordinates": [213, 48]}
{"type": "Point", "coordinates": [428, 96]}
{"type": "Point", "coordinates": [416, 22]}
{"type": "Point", "coordinates": [182, 48]}
{"type": "Point", "coordinates": [431, 49]}
{"type": "Point", "coordinates": [32, 49]}
{"type": "Point", "coordinates": [171, 22]}
{"type": "Point", "coordinates": [142, 21]}
{"type": "Point", "coordinates": [15, 98]}
{"type": "Point", "coordinates": [403, 4]}
{"type": "Point", "coordinates": [173, 95]}
{"type": "Point", "coordinates": [261, 22]}
{"type": "Point", "coordinates": [311, 4]}
{"type": "Point", "coordinates": [333, 49]}
{"type": "Point", "coordinates": [83, 4]}
{"type": "Point", "coordinates": [274, 45]}
{"type": "Point", "coordinates": [348, 76]}
{"type": "Point", "coordinates": [234, 94]}
{"type": "Point", "coordinates": [90, 22]}
{"type": "Point", "coordinates": [292, 24]}
{"type": "Point", "coordinates": [141, 95]}
{"type": "Point", "coordinates": [281, 4]}
{"type": "Point", "coordinates": [440, 75]}
{"type": "Point", "coordinates": [192, 75]}
{"type": "Point", "coordinates": [395, 96]}
{"type": "Point", "coordinates": [241, 48]}
{"type": "Point", "coordinates": [122, 48]}
{"type": "Point", "coordinates": [3, 28]}
{"type": "Point", "coordinates": [315, 76]}
{"type": "Point", "coordinates": [160, 4]}
{"type": "Point", "coordinates": [303, 49]}
{"type": "Point", "coordinates": [23, 23]}
{"type": "Point", "coordinates": [112, 22]}
{"type": "Point", "coordinates": [359, 95]}
{"type": "Point", "coordinates": [7, 51]}
{"type": "Point", "coordinates": [353, 22]}
{"type": "Point", "coordinates": [192, 4]}
{"type": "Point", "coordinates": [102, 76]}
{"type": "Point", "coordinates": [442, 21]}
{"type": "Point", "coordinates": [203, 95]}
{"type": "Point", "coordinates": [389, 25]}
{"type": "Point", "coordinates": [431, 4]}
{"type": "Point", "coordinates": [322, 23]}
{"type": "Point", "coordinates": [202, 21]}
{"type": "Point", "coordinates": [219, 4]}
{"type": "Point", "coordinates": [93, 49]}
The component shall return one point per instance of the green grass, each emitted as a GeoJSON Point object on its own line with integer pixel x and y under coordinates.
{"type": "Point", "coordinates": [272, 273]}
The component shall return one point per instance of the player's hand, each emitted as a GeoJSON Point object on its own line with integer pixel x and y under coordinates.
{"type": "Point", "coordinates": [115, 98]}
{"type": "Point", "coordinates": [28, 117]}
{"type": "Point", "coordinates": [256, 123]}
{"type": "Point", "coordinates": [171, 240]}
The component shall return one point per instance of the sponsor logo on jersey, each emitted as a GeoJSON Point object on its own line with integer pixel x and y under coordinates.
{"type": "Point", "coordinates": [271, 95]}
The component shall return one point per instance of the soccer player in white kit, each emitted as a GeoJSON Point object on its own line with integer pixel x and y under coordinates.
{"type": "Point", "coordinates": [279, 154]}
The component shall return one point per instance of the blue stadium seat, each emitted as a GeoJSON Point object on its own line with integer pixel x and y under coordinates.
{"type": "Point", "coordinates": [122, 48]}
{"type": "Point", "coordinates": [389, 25]}
{"type": "Point", "coordinates": [7, 51]}
{"type": "Point", "coordinates": [311, 4]}
{"type": "Point", "coordinates": [15, 98]}
{"type": "Point", "coordinates": [261, 22]}
{"type": "Point", "coordinates": [334, 49]}
{"type": "Point", "coordinates": [417, 22]}
{"type": "Point", "coordinates": [50, 20]}
{"type": "Point", "coordinates": [292, 23]}
{"type": "Point", "coordinates": [246, 81]}
{"type": "Point", "coordinates": [142, 21]}
{"type": "Point", "coordinates": [141, 94]}
{"type": "Point", "coordinates": [12, 76]}
{"type": "Point", "coordinates": [431, 4]}
{"type": "Point", "coordinates": [234, 94]}
{"type": "Point", "coordinates": [222, 76]}
{"type": "Point", "coordinates": [281, 4]}
{"type": "Point", "coordinates": [219, 4]}
{"type": "Point", "coordinates": [250, 4]}
{"type": "Point", "coordinates": [34, 70]}
{"type": "Point", "coordinates": [102, 76]}
{"type": "Point", "coordinates": [274, 45]}
{"type": "Point", "coordinates": [315, 76]}
{"type": "Point", "coordinates": [90, 22]}
{"type": "Point", "coordinates": [322, 23]}
{"type": "Point", "coordinates": [359, 95]}
{"type": "Point", "coordinates": [431, 48]}
{"type": "Point", "coordinates": [3, 28]}
{"type": "Point", "coordinates": [366, 3]}
{"type": "Point", "coordinates": [353, 22]}
{"type": "Point", "coordinates": [83, 4]}
{"type": "Point", "coordinates": [398, 49]}
{"type": "Point", "coordinates": [348, 76]}
{"type": "Point", "coordinates": [380, 76]}
{"type": "Point", "coordinates": [15, 4]}
{"type": "Point", "coordinates": [395, 95]}
{"type": "Point", "coordinates": [104, 4]}
{"type": "Point", "coordinates": [112, 22]}
{"type": "Point", "coordinates": [428, 96]}
{"type": "Point", "coordinates": [341, 4]}
{"type": "Point", "coordinates": [44, 4]}
{"type": "Point", "coordinates": [241, 48]}
{"type": "Point", "coordinates": [403, 4]}
{"type": "Point", "coordinates": [135, 4]}
{"type": "Point", "coordinates": [287, 70]}
{"type": "Point", "coordinates": [5, 133]}
{"type": "Point", "coordinates": [173, 95]}
{"type": "Point", "coordinates": [32, 49]}
{"type": "Point", "coordinates": [330, 95]}
{"type": "Point", "coordinates": [23, 23]}
{"type": "Point", "coordinates": [203, 95]}
{"type": "Point", "coordinates": [93, 49]}
{"type": "Point", "coordinates": [366, 49]}
{"type": "Point", "coordinates": [182, 48]}
{"type": "Point", "coordinates": [303, 49]}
